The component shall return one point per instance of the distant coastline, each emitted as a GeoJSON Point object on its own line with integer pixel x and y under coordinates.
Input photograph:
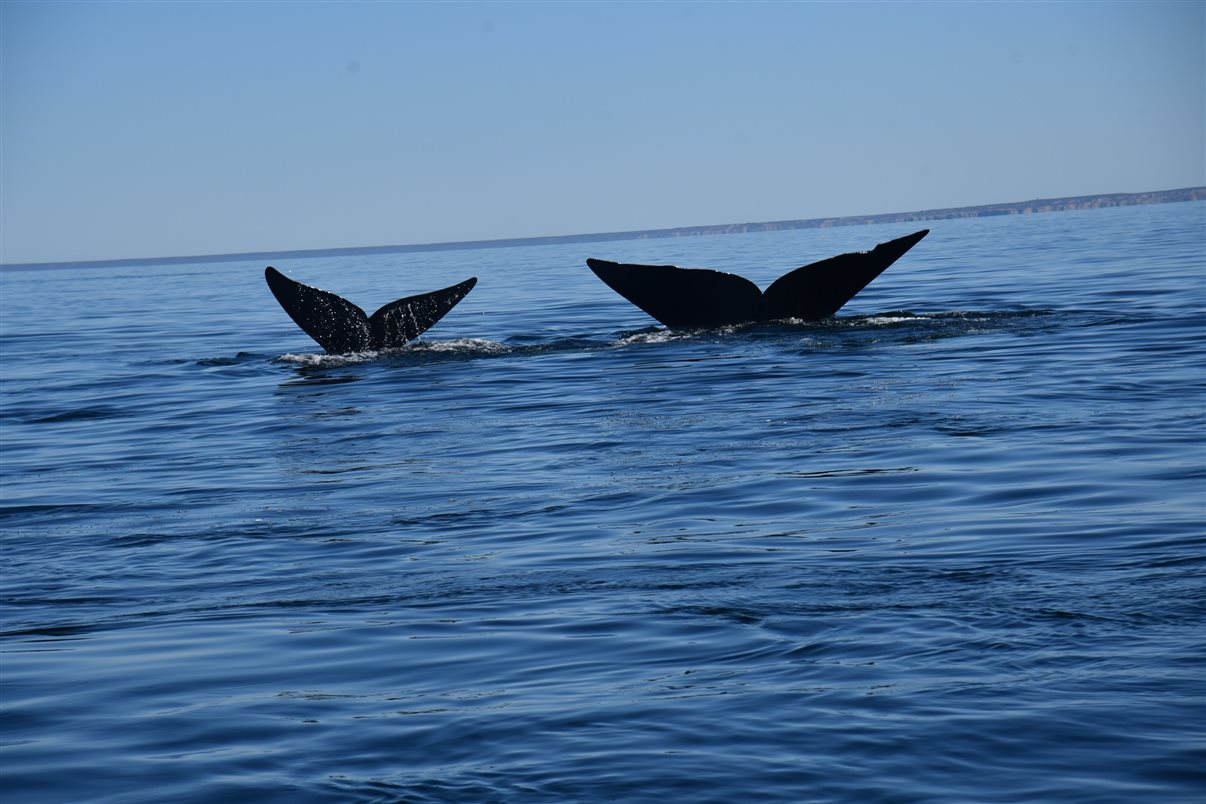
{"type": "Point", "coordinates": [984, 210]}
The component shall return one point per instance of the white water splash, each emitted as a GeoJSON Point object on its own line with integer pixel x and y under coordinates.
{"type": "Point", "coordinates": [323, 360]}
{"type": "Point", "coordinates": [469, 346]}
{"type": "Point", "coordinates": [461, 345]}
{"type": "Point", "coordinates": [660, 336]}
{"type": "Point", "coordinates": [882, 320]}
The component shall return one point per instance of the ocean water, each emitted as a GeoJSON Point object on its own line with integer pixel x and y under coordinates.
{"type": "Point", "coordinates": [946, 547]}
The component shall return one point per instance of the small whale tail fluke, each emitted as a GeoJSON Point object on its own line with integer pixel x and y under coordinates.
{"type": "Point", "coordinates": [341, 327]}
{"type": "Point", "coordinates": [703, 298]}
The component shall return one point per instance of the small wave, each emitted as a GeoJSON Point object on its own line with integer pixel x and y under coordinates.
{"type": "Point", "coordinates": [461, 346]}
{"type": "Point", "coordinates": [238, 359]}
{"type": "Point", "coordinates": [456, 346]}
{"type": "Point", "coordinates": [658, 336]}
{"type": "Point", "coordinates": [80, 415]}
{"type": "Point", "coordinates": [322, 360]}
{"type": "Point", "coordinates": [894, 318]}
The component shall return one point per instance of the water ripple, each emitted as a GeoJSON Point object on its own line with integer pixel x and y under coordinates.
{"type": "Point", "coordinates": [944, 547]}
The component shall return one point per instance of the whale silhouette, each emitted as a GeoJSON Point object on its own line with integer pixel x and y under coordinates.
{"type": "Point", "coordinates": [341, 327]}
{"type": "Point", "coordinates": [700, 298]}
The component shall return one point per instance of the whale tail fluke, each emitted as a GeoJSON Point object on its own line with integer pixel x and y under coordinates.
{"type": "Point", "coordinates": [341, 327]}
{"type": "Point", "coordinates": [703, 298]}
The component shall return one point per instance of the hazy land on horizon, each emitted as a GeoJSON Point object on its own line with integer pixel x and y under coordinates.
{"type": "Point", "coordinates": [1030, 206]}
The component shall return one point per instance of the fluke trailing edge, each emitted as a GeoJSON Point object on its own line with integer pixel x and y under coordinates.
{"type": "Point", "coordinates": [340, 326]}
{"type": "Point", "coordinates": [703, 298]}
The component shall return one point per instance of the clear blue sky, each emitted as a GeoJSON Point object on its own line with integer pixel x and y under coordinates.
{"type": "Point", "coordinates": [141, 129]}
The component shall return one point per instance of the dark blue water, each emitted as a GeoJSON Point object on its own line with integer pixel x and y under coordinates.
{"type": "Point", "coordinates": [948, 547]}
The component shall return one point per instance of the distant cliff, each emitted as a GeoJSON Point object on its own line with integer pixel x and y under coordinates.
{"type": "Point", "coordinates": [986, 210]}
{"type": "Point", "coordinates": [1015, 208]}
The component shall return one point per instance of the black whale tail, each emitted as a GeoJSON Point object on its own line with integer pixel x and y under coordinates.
{"type": "Point", "coordinates": [341, 327]}
{"type": "Point", "coordinates": [702, 298]}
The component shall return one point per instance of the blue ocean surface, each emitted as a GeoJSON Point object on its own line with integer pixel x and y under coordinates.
{"type": "Point", "coordinates": [947, 547]}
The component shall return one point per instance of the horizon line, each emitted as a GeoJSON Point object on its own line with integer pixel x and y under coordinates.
{"type": "Point", "coordinates": [1058, 204]}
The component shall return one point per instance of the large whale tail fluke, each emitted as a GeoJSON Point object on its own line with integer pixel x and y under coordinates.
{"type": "Point", "coordinates": [341, 327]}
{"type": "Point", "coordinates": [703, 298]}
